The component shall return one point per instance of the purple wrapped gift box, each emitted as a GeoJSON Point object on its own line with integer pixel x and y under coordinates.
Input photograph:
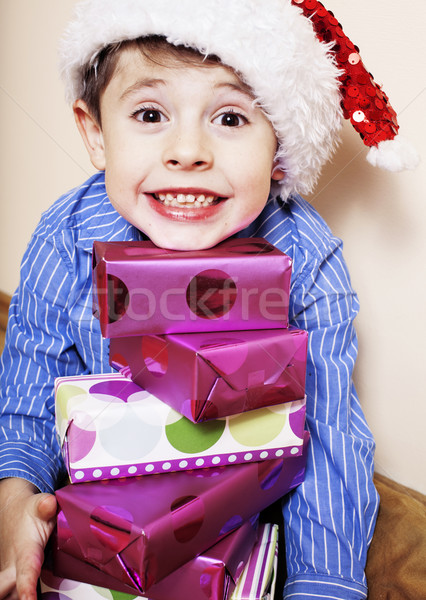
{"type": "Point", "coordinates": [140, 529]}
{"type": "Point", "coordinates": [209, 576]}
{"type": "Point", "coordinates": [140, 288]}
{"type": "Point", "coordinates": [209, 375]}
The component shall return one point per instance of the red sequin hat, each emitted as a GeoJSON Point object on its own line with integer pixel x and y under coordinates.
{"type": "Point", "coordinates": [305, 74]}
{"type": "Point", "coordinates": [364, 103]}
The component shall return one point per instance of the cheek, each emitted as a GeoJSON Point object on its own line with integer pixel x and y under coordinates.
{"type": "Point", "coordinates": [251, 205]}
{"type": "Point", "coordinates": [255, 193]}
{"type": "Point", "coordinates": [121, 151]}
{"type": "Point", "coordinates": [257, 182]}
{"type": "Point", "coordinates": [260, 161]}
{"type": "Point", "coordinates": [123, 173]}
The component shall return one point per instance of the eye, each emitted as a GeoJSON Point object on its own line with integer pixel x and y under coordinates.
{"type": "Point", "coordinates": [230, 119]}
{"type": "Point", "coordinates": [149, 115]}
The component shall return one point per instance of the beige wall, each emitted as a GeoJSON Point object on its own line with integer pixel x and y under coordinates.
{"type": "Point", "coordinates": [381, 217]}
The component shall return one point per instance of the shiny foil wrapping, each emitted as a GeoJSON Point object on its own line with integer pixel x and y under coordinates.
{"type": "Point", "coordinates": [140, 529]}
{"type": "Point", "coordinates": [209, 375]}
{"type": "Point", "coordinates": [140, 288]}
{"type": "Point", "coordinates": [210, 576]}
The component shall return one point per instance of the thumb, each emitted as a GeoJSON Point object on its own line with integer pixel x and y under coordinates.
{"type": "Point", "coordinates": [45, 506]}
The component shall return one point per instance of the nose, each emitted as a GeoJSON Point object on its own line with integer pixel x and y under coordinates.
{"type": "Point", "coordinates": [188, 149]}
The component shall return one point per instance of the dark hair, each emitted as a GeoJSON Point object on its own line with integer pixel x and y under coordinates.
{"type": "Point", "coordinates": [155, 48]}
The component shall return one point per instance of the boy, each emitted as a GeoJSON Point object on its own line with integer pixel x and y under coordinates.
{"type": "Point", "coordinates": [204, 120]}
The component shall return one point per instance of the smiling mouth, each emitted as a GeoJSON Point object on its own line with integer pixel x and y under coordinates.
{"type": "Point", "coordinates": [180, 200]}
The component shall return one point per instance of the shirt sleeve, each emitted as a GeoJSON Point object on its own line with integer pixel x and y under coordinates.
{"type": "Point", "coordinates": [329, 519]}
{"type": "Point", "coordinates": [38, 348]}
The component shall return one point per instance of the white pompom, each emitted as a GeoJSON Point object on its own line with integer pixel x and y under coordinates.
{"type": "Point", "coordinates": [394, 155]}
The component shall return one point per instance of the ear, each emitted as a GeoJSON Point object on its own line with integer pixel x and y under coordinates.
{"type": "Point", "coordinates": [91, 133]}
{"type": "Point", "coordinates": [277, 173]}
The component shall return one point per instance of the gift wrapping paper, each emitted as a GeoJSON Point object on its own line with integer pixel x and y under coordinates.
{"type": "Point", "coordinates": [140, 288]}
{"type": "Point", "coordinates": [140, 529]}
{"type": "Point", "coordinates": [209, 375]}
{"type": "Point", "coordinates": [257, 581]}
{"type": "Point", "coordinates": [210, 576]}
{"type": "Point", "coordinates": [109, 427]}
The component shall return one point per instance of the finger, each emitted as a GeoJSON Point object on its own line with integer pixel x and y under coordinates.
{"type": "Point", "coordinates": [7, 581]}
{"type": "Point", "coordinates": [28, 570]}
{"type": "Point", "coordinates": [12, 596]}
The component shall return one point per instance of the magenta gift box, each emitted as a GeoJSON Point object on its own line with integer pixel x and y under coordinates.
{"type": "Point", "coordinates": [210, 375]}
{"type": "Point", "coordinates": [140, 529]}
{"type": "Point", "coordinates": [209, 576]}
{"type": "Point", "coordinates": [140, 288]}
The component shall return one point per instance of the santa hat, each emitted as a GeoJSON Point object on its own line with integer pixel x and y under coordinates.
{"type": "Point", "coordinates": [305, 73]}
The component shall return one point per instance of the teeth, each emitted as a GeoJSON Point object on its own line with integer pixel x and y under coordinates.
{"type": "Point", "coordinates": [185, 199]}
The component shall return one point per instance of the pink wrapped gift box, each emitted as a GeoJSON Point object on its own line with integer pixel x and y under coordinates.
{"type": "Point", "coordinates": [209, 576]}
{"type": "Point", "coordinates": [209, 375]}
{"type": "Point", "coordinates": [140, 529]}
{"type": "Point", "coordinates": [140, 288]}
{"type": "Point", "coordinates": [109, 427]}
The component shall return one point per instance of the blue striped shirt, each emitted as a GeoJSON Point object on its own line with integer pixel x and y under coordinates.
{"type": "Point", "coordinates": [329, 519]}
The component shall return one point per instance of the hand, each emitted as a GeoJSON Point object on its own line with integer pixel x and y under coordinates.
{"type": "Point", "coordinates": [27, 519]}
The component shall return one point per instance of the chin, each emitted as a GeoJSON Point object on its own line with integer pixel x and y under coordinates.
{"type": "Point", "coordinates": [184, 242]}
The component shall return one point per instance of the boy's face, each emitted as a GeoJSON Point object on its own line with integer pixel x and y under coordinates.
{"type": "Point", "coordinates": [188, 158]}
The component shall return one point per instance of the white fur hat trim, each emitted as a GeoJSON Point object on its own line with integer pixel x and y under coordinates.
{"type": "Point", "coordinates": [269, 43]}
{"type": "Point", "coordinates": [393, 155]}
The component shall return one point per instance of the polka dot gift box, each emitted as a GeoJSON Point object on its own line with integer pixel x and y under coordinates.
{"type": "Point", "coordinates": [140, 529]}
{"type": "Point", "coordinates": [210, 576]}
{"type": "Point", "coordinates": [109, 427]}
{"type": "Point", "coordinates": [140, 288]}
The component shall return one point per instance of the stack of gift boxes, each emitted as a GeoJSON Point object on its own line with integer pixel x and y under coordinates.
{"type": "Point", "coordinates": [172, 457]}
